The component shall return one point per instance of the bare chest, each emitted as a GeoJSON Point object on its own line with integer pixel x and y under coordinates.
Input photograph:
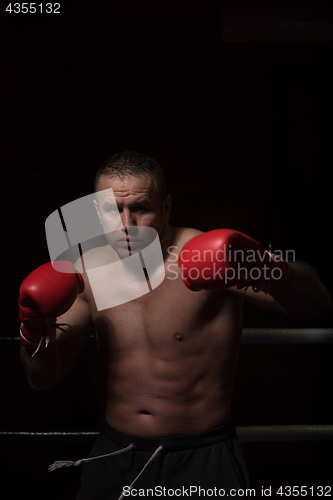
{"type": "Point", "coordinates": [169, 320]}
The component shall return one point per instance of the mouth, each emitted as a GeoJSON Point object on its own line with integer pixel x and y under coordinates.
{"type": "Point", "coordinates": [129, 242]}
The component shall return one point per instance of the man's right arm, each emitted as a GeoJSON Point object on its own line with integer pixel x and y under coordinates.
{"type": "Point", "coordinates": [51, 365]}
{"type": "Point", "coordinates": [56, 322]}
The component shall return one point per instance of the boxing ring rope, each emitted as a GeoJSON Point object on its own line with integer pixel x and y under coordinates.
{"type": "Point", "coordinates": [262, 336]}
{"type": "Point", "coordinates": [287, 336]}
{"type": "Point", "coordinates": [269, 433]}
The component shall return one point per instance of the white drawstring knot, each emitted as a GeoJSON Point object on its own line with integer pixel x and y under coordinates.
{"type": "Point", "coordinates": [59, 464]}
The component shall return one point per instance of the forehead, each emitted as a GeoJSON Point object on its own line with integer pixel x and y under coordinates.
{"type": "Point", "coordinates": [128, 186]}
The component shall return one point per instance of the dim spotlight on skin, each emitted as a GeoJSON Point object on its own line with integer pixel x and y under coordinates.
{"type": "Point", "coordinates": [168, 356]}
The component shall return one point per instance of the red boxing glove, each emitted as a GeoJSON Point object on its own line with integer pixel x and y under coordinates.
{"type": "Point", "coordinates": [45, 294]}
{"type": "Point", "coordinates": [222, 258]}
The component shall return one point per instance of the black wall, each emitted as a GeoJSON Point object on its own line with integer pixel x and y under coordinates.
{"type": "Point", "coordinates": [243, 130]}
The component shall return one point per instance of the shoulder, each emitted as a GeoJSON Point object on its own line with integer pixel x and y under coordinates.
{"type": "Point", "coordinates": [183, 235]}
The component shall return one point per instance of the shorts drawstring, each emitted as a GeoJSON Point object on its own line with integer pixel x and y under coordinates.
{"type": "Point", "coordinates": [58, 464]}
{"type": "Point", "coordinates": [149, 461]}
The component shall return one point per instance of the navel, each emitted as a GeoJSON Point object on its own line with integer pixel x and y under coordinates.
{"type": "Point", "coordinates": [178, 337]}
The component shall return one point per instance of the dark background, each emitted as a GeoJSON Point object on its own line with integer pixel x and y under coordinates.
{"type": "Point", "coordinates": [235, 102]}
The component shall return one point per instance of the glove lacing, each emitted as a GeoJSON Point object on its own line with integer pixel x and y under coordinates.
{"type": "Point", "coordinates": [48, 336]}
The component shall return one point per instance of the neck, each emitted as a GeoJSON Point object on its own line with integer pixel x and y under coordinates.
{"type": "Point", "coordinates": [166, 238]}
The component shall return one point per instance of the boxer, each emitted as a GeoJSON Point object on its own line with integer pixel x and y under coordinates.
{"type": "Point", "coordinates": [168, 357]}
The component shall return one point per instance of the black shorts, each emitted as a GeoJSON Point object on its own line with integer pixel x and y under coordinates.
{"type": "Point", "coordinates": [208, 463]}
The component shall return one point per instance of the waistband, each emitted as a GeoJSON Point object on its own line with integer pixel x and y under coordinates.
{"type": "Point", "coordinates": [173, 443]}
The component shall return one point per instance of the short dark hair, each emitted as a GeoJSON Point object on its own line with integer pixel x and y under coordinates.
{"type": "Point", "coordinates": [130, 163]}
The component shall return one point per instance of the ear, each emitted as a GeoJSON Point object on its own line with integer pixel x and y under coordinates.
{"type": "Point", "coordinates": [97, 210]}
{"type": "Point", "coordinates": [167, 207]}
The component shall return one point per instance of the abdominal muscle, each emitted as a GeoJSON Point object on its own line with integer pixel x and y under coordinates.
{"type": "Point", "coordinates": [181, 386]}
{"type": "Point", "coordinates": [152, 400]}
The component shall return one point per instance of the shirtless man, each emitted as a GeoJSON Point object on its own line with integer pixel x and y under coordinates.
{"type": "Point", "coordinates": [168, 357]}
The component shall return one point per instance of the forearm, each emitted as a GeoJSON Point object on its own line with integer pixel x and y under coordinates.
{"type": "Point", "coordinates": [303, 294]}
{"type": "Point", "coordinates": [45, 369]}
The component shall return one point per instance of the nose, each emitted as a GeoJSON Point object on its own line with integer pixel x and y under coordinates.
{"type": "Point", "coordinates": [127, 219]}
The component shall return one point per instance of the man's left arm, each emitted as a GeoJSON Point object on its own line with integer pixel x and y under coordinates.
{"type": "Point", "coordinates": [302, 294]}
{"type": "Point", "coordinates": [224, 258]}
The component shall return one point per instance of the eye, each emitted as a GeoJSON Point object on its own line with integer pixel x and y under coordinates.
{"type": "Point", "coordinates": [113, 210]}
{"type": "Point", "coordinates": [140, 208]}
{"type": "Point", "coordinates": [109, 207]}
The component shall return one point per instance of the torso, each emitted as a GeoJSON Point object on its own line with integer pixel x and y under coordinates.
{"type": "Point", "coordinates": [169, 357]}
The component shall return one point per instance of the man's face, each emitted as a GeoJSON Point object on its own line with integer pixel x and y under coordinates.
{"type": "Point", "coordinates": [135, 207]}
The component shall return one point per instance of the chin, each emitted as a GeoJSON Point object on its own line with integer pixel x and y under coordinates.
{"type": "Point", "coordinates": [122, 253]}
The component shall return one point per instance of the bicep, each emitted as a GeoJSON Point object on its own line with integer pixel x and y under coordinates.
{"type": "Point", "coordinates": [73, 338]}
